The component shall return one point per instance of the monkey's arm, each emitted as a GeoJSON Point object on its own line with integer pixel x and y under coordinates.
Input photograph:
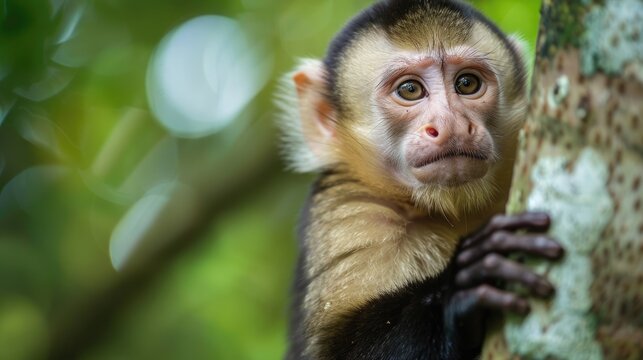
{"type": "Point", "coordinates": [443, 317]}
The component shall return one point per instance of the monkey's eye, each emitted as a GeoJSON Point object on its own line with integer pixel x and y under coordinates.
{"type": "Point", "coordinates": [467, 84]}
{"type": "Point", "coordinates": [410, 90]}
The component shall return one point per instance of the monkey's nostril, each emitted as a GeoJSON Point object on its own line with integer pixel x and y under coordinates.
{"type": "Point", "coordinates": [470, 129]}
{"type": "Point", "coordinates": [432, 132]}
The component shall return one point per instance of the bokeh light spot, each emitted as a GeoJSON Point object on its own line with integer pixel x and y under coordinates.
{"type": "Point", "coordinates": [203, 74]}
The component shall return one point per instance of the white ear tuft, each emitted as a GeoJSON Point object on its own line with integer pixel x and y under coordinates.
{"type": "Point", "coordinates": [306, 119]}
{"type": "Point", "coordinates": [520, 45]}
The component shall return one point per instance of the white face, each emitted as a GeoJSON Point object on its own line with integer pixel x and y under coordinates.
{"type": "Point", "coordinates": [435, 112]}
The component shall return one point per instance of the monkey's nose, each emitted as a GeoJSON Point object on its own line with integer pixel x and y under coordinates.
{"type": "Point", "coordinates": [435, 133]}
{"type": "Point", "coordinates": [432, 132]}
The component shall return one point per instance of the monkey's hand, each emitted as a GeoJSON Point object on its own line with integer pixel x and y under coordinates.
{"type": "Point", "coordinates": [480, 266]}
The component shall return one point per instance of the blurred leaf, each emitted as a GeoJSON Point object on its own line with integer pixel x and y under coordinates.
{"type": "Point", "coordinates": [159, 166]}
{"type": "Point", "coordinates": [6, 103]}
{"type": "Point", "coordinates": [39, 130]}
{"type": "Point", "coordinates": [72, 54]}
{"type": "Point", "coordinates": [94, 35]}
{"type": "Point", "coordinates": [54, 81]}
{"type": "Point", "coordinates": [71, 14]}
{"type": "Point", "coordinates": [56, 5]}
{"type": "Point", "coordinates": [26, 189]}
{"type": "Point", "coordinates": [104, 190]}
{"type": "Point", "coordinates": [130, 137]}
{"type": "Point", "coordinates": [131, 228]}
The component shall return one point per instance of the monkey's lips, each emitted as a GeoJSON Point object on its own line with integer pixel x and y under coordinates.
{"type": "Point", "coordinates": [427, 160]}
{"type": "Point", "coordinates": [450, 168]}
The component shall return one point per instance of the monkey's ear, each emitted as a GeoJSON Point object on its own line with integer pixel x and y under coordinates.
{"type": "Point", "coordinates": [317, 114]}
{"type": "Point", "coordinates": [519, 44]}
{"type": "Point", "coordinates": [309, 132]}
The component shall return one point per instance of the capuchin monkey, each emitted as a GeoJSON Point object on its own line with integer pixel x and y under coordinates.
{"type": "Point", "coordinates": [412, 120]}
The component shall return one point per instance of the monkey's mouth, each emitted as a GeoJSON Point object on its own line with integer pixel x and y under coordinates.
{"type": "Point", "coordinates": [471, 154]}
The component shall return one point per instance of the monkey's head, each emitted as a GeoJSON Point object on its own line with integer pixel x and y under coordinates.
{"type": "Point", "coordinates": [419, 99]}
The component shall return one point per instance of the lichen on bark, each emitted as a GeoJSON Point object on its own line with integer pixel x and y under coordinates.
{"type": "Point", "coordinates": [580, 207]}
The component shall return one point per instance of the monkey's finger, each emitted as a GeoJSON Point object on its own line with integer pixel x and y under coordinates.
{"type": "Point", "coordinates": [530, 221]}
{"type": "Point", "coordinates": [488, 297]}
{"type": "Point", "coordinates": [505, 242]}
{"type": "Point", "coordinates": [496, 267]}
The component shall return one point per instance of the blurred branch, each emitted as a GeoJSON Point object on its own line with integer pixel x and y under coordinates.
{"type": "Point", "coordinates": [250, 164]}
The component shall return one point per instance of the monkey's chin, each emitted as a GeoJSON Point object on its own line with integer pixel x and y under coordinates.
{"type": "Point", "coordinates": [451, 172]}
{"type": "Point", "coordinates": [456, 201]}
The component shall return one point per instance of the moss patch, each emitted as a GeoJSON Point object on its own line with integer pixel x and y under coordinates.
{"type": "Point", "coordinates": [613, 36]}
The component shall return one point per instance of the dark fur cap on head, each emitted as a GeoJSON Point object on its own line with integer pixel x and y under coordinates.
{"type": "Point", "coordinates": [399, 18]}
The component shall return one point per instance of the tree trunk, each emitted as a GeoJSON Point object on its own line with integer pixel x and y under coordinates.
{"type": "Point", "coordinates": [581, 160]}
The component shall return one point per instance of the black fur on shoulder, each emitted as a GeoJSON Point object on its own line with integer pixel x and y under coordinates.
{"type": "Point", "coordinates": [407, 324]}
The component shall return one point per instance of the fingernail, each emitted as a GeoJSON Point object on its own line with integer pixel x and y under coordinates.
{"type": "Point", "coordinates": [542, 217]}
{"type": "Point", "coordinates": [560, 250]}
{"type": "Point", "coordinates": [545, 288]}
{"type": "Point", "coordinates": [553, 249]}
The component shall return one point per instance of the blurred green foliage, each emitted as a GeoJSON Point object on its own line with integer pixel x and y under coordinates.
{"type": "Point", "coordinates": [79, 147]}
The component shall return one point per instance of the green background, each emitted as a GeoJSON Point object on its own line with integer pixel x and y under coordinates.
{"type": "Point", "coordinates": [225, 296]}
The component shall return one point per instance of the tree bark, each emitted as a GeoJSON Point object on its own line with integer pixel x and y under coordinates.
{"type": "Point", "coordinates": [581, 159]}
